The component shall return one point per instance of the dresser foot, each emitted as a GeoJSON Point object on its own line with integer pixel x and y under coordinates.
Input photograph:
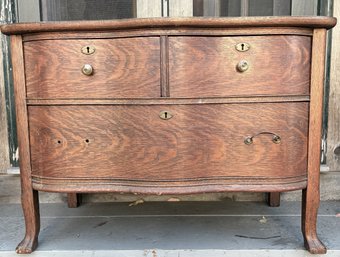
{"type": "Point", "coordinates": [273, 199]}
{"type": "Point", "coordinates": [73, 200]}
{"type": "Point", "coordinates": [310, 206]}
{"type": "Point", "coordinates": [314, 245]}
{"type": "Point", "coordinates": [27, 245]}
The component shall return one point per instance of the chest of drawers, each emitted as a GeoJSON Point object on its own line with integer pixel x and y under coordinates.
{"type": "Point", "coordinates": [170, 106]}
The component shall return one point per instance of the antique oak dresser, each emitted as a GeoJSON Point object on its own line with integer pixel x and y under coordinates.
{"type": "Point", "coordinates": [170, 106]}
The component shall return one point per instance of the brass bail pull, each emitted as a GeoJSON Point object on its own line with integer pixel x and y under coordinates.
{"type": "Point", "coordinates": [276, 139]}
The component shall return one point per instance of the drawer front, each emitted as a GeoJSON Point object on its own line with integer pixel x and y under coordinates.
{"type": "Point", "coordinates": [122, 68]}
{"type": "Point", "coordinates": [198, 141]}
{"type": "Point", "coordinates": [207, 66]}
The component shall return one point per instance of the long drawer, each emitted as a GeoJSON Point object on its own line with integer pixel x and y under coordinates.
{"type": "Point", "coordinates": [169, 142]}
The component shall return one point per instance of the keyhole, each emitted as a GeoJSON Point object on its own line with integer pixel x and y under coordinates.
{"type": "Point", "coordinates": [165, 115]}
{"type": "Point", "coordinates": [88, 49]}
{"type": "Point", "coordinates": [242, 46]}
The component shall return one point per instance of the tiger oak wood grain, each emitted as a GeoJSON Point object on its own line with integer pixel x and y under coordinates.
{"type": "Point", "coordinates": [178, 31]}
{"type": "Point", "coordinates": [197, 22]}
{"type": "Point", "coordinates": [164, 66]}
{"type": "Point", "coordinates": [171, 100]}
{"type": "Point", "coordinates": [194, 186]}
{"type": "Point", "coordinates": [103, 133]}
{"type": "Point", "coordinates": [29, 196]}
{"type": "Point", "coordinates": [311, 194]}
{"type": "Point", "coordinates": [206, 66]}
{"type": "Point", "coordinates": [199, 141]}
{"type": "Point", "coordinates": [122, 68]}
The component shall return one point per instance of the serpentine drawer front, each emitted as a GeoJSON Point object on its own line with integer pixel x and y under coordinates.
{"type": "Point", "coordinates": [125, 143]}
{"type": "Point", "coordinates": [170, 106]}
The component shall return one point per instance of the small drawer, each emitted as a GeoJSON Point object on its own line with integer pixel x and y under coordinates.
{"type": "Point", "coordinates": [247, 65]}
{"type": "Point", "coordinates": [121, 68]}
{"type": "Point", "coordinates": [170, 143]}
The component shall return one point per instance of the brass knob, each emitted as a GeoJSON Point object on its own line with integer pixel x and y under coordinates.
{"type": "Point", "coordinates": [248, 140]}
{"type": "Point", "coordinates": [242, 66]}
{"type": "Point", "coordinates": [276, 139]}
{"type": "Point", "coordinates": [87, 70]}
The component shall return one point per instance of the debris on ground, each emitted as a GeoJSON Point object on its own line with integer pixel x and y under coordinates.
{"type": "Point", "coordinates": [263, 220]}
{"type": "Point", "coordinates": [139, 201]}
{"type": "Point", "coordinates": [256, 237]}
{"type": "Point", "coordinates": [174, 199]}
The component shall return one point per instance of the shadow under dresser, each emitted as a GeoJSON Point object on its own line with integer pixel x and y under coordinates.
{"type": "Point", "coordinates": [170, 106]}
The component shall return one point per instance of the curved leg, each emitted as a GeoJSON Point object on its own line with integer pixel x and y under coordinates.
{"type": "Point", "coordinates": [310, 206]}
{"type": "Point", "coordinates": [311, 195]}
{"type": "Point", "coordinates": [29, 197]}
{"type": "Point", "coordinates": [30, 204]}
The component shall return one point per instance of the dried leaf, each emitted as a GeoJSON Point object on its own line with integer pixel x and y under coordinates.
{"type": "Point", "coordinates": [263, 220]}
{"type": "Point", "coordinates": [173, 199]}
{"type": "Point", "coordinates": [139, 201]}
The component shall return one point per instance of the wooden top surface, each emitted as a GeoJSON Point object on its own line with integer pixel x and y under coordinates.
{"type": "Point", "coordinates": [191, 22]}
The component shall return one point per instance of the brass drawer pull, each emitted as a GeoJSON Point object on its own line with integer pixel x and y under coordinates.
{"type": "Point", "coordinates": [165, 115]}
{"type": "Point", "coordinates": [242, 66]}
{"type": "Point", "coordinates": [87, 70]}
{"type": "Point", "coordinates": [276, 139]}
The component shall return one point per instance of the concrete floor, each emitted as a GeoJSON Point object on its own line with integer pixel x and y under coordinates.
{"type": "Point", "coordinates": [155, 229]}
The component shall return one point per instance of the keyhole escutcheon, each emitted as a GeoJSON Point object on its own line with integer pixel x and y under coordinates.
{"type": "Point", "coordinates": [242, 47]}
{"type": "Point", "coordinates": [165, 115]}
{"type": "Point", "coordinates": [88, 50]}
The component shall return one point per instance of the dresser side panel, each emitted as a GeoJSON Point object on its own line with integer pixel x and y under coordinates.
{"type": "Point", "coordinates": [20, 106]}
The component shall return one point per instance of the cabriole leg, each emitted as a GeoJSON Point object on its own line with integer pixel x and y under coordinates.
{"type": "Point", "coordinates": [30, 204]}
{"type": "Point", "coordinates": [310, 206]}
{"type": "Point", "coordinates": [29, 197]}
{"type": "Point", "coordinates": [311, 195]}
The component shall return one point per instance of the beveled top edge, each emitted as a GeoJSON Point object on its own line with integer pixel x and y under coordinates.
{"type": "Point", "coordinates": [194, 22]}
